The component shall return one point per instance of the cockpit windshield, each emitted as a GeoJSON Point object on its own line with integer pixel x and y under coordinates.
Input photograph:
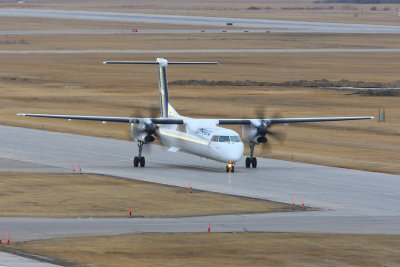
{"type": "Point", "coordinates": [225, 138]}
{"type": "Point", "coordinates": [234, 139]}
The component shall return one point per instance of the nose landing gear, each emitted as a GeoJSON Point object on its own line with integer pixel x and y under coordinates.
{"type": "Point", "coordinates": [230, 167]}
{"type": "Point", "coordinates": [139, 160]}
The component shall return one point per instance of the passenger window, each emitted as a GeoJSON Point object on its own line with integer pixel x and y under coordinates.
{"type": "Point", "coordinates": [224, 139]}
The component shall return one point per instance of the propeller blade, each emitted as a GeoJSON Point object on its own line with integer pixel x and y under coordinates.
{"type": "Point", "coordinates": [280, 136]}
{"type": "Point", "coordinates": [277, 115]}
{"type": "Point", "coordinates": [147, 149]}
{"type": "Point", "coordinates": [266, 146]}
{"type": "Point", "coordinates": [260, 112]}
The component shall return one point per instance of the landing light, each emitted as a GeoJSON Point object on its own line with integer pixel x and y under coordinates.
{"type": "Point", "coordinates": [229, 165]}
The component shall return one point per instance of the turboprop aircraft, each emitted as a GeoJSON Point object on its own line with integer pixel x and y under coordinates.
{"type": "Point", "coordinates": [201, 137]}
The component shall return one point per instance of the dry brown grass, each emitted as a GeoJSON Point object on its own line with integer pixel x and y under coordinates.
{"type": "Point", "coordinates": [219, 249]}
{"type": "Point", "coordinates": [199, 41]}
{"type": "Point", "coordinates": [68, 195]}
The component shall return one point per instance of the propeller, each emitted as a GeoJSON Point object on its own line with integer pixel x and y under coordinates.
{"type": "Point", "coordinates": [263, 129]}
{"type": "Point", "coordinates": [149, 127]}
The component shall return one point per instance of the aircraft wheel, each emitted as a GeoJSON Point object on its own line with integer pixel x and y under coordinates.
{"type": "Point", "coordinates": [136, 162]}
{"type": "Point", "coordinates": [233, 169]}
{"type": "Point", "coordinates": [248, 162]}
{"type": "Point", "coordinates": [142, 162]}
{"type": "Point", "coordinates": [227, 169]}
{"type": "Point", "coordinates": [254, 162]}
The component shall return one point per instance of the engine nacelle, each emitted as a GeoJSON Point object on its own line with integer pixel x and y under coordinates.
{"type": "Point", "coordinates": [144, 132]}
{"type": "Point", "coordinates": [256, 134]}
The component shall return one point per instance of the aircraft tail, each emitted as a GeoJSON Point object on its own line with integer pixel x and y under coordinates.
{"type": "Point", "coordinates": [166, 109]}
{"type": "Point", "coordinates": [172, 112]}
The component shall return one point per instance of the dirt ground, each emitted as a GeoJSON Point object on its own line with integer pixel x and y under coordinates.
{"type": "Point", "coordinates": [221, 249]}
{"type": "Point", "coordinates": [69, 195]}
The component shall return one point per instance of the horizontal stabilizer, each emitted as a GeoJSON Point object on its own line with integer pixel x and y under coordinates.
{"type": "Point", "coordinates": [160, 61]}
{"type": "Point", "coordinates": [156, 63]}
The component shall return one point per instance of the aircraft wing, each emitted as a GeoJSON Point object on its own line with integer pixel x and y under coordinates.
{"type": "Point", "coordinates": [180, 121]}
{"type": "Point", "coordinates": [105, 119]}
{"type": "Point", "coordinates": [291, 120]}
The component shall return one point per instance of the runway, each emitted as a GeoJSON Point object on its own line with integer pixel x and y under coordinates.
{"type": "Point", "coordinates": [174, 51]}
{"type": "Point", "coordinates": [292, 26]}
{"type": "Point", "coordinates": [350, 201]}
{"type": "Point", "coordinates": [138, 31]}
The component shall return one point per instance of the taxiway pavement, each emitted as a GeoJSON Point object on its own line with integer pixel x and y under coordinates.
{"type": "Point", "coordinates": [289, 26]}
{"type": "Point", "coordinates": [12, 260]}
{"type": "Point", "coordinates": [350, 201]}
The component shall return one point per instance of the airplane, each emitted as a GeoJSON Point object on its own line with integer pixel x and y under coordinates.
{"type": "Point", "coordinates": [201, 137]}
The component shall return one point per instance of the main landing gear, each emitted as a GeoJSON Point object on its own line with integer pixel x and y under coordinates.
{"type": "Point", "coordinates": [230, 167]}
{"type": "Point", "coordinates": [139, 160]}
{"type": "Point", "coordinates": [251, 160]}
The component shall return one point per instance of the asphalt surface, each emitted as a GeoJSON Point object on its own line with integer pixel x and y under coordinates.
{"type": "Point", "coordinates": [292, 26]}
{"type": "Point", "coordinates": [11, 260]}
{"type": "Point", "coordinates": [166, 51]}
{"type": "Point", "coordinates": [349, 201]}
{"type": "Point", "coordinates": [138, 31]}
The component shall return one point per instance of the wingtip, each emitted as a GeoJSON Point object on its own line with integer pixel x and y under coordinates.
{"type": "Point", "coordinates": [373, 118]}
{"type": "Point", "coordinates": [21, 114]}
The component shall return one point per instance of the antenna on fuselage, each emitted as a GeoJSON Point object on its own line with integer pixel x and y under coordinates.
{"type": "Point", "coordinates": [162, 77]}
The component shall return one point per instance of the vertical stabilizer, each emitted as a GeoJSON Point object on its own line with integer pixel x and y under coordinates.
{"type": "Point", "coordinates": [166, 109]}
{"type": "Point", "coordinates": [163, 87]}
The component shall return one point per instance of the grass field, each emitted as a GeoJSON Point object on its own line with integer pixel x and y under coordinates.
{"type": "Point", "coordinates": [218, 249]}
{"type": "Point", "coordinates": [68, 195]}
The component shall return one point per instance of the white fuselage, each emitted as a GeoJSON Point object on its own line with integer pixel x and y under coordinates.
{"type": "Point", "coordinates": [203, 139]}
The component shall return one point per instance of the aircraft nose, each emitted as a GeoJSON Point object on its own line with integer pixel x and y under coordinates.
{"type": "Point", "coordinates": [235, 152]}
